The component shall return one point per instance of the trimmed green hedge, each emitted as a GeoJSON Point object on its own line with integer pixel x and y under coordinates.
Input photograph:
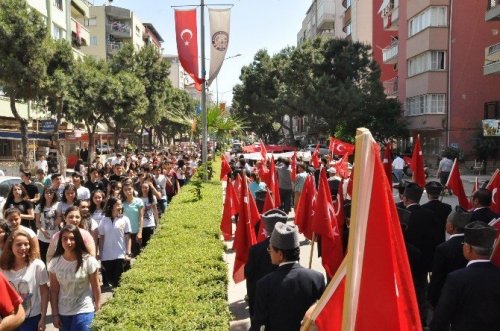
{"type": "Point", "coordinates": [179, 282]}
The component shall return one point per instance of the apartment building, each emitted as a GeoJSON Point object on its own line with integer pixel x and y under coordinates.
{"type": "Point", "coordinates": [442, 51]}
{"type": "Point", "coordinates": [65, 20]}
{"type": "Point", "coordinates": [111, 27]}
{"type": "Point", "coordinates": [323, 18]}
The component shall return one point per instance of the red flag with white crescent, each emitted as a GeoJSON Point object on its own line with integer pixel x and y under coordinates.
{"type": "Point", "coordinates": [493, 187]}
{"type": "Point", "coordinates": [340, 147]}
{"type": "Point", "coordinates": [187, 42]}
{"type": "Point", "coordinates": [417, 164]}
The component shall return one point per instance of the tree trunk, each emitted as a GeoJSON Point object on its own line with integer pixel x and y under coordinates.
{"type": "Point", "coordinates": [151, 132]}
{"type": "Point", "coordinates": [116, 136]}
{"type": "Point", "coordinates": [60, 154]}
{"type": "Point", "coordinates": [91, 132]}
{"type": "Point", "coordinates": [139, 145]}
{"type": "Point", "coordinates": [23, 123]}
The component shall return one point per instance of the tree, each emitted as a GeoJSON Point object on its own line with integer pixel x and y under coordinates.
{"type": "Point", "coordinates": [23, 59]}
{"type": "Point", "coordinates": [60, 71]}
{"type": "Point", "coordinates": [180, 106]}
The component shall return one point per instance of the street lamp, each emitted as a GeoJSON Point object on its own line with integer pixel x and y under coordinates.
{"type": "Point", "coordinates": [217, 79]}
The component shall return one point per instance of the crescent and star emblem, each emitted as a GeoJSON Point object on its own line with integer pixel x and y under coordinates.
{"type": "Point", "coordinates": [493, 195]}
{"type": "Point", "coordinates": [340, 148]}
{"type": "Point", "coordinates": [187, 40]}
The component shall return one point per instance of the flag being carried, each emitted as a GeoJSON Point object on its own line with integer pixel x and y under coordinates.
{"type": "Point", "coordinates": [376, 264]}
{"type": "Point", "coordinates": [388, 162]}
{"type": "Point", "coordinates": [455, 184]}
{"type": "Point", "coordinates": [339, 147]}
{"type": "Point", "coordinates": [417, 164]}
{"type": "Point", "coordinates": [493, 186]}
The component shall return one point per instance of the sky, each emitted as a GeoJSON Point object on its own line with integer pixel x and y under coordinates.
{"type": "Point", "coordinates": [255, 25]}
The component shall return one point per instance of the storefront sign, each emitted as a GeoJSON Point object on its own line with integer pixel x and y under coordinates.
{"type": "Point", "coordinates": [47, 125]}
{"type": "Point", "coordinates": [491, 128]}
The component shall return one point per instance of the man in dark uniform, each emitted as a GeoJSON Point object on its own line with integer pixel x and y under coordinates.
{"type": "Point", "coordinates": [283, 296]}
{"type": "Point", "coordinates": [259, 262]}
{"type": "Point", "coordinates": [440, 209]}
{"type": "Point", "coordinates": [448, 256]}
{"type": "Point", "coordinates": [424, 235]}
{"type": "Point", "coordinates": [481, 202]}
{"type": "Point", "coordinates": [470, 299]}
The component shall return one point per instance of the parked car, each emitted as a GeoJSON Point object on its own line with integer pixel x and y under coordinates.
{"type": "Point", "coordinates": [236, 148]}
{"type": "Point", "coordinates": [6, 183]}
{"type": "Point", "coordinates": [103, 149]}
{"type": "Point", "coordinates": [323, 149]}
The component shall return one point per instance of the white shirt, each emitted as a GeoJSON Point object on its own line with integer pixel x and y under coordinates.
{"type": "Point", "coordinates": [75, 295]}
{"type": "Point", "coordinates": [47, 221]}
{"type": "Point", "coordinates": [114, 246]}
{"type": "Point", "coordinates": [42, 164]}
{"type": "Point", "coordinates": [27, 283]}
{"type": "Point", "coordinates": [476, 261]}
{"type": "Point", "coordinates": [398, 163]}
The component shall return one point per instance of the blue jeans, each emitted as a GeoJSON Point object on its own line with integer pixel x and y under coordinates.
{"type": "Point", "coordinates": [30, 324]}
{"type": "Point", "coordinates": [78, 322]}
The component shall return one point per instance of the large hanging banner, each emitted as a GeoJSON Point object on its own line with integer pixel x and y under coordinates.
{"type": "Point", "coordinates": [219, 39]}
{"type": "Point", "coordinates": [187, 43]}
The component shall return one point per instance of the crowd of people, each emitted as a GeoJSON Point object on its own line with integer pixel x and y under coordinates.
{"type": "Point", "coordinates": [59, 235]}
{"type": "Point", "coordinates": [448, 250]}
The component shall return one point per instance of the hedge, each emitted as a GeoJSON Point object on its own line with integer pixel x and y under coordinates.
{"type": "Point", "coordinates": [179, 282]}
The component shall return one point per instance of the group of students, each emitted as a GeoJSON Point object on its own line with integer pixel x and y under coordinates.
{"type": "Point", "coordinates": [78, 229]}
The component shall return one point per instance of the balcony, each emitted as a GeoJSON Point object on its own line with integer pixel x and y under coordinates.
{"type": "Point", "coordinates": [492, 10]}
{"type": "Point", "coordinates": [492, 60]}
{"type": "Point", "coordinates": [113, 47]}
{"type": "Point", "coordinates": [80, 33]}
{"type": "Point", "coordinates": [119, 29]}
{"type": "Point", "coordinates": [346, 3]}
{"type": "Point", "coordinates": [390, 53]}
{"type": "Point", "coordinates": [326, 14]}
{"type": "Point", "coordinates": [389, 11]}
{"type": "Point", "coordinates": [391, 89]}
{"type": "Point", "coordinates": [118, 13]}
{"type": "Point", "coordinates": [80, 8]}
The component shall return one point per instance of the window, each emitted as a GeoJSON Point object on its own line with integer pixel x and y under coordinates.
{"type": "Point", "coordinates": [426, 104]}
{"type": "Point", "coordinates": [430, 17]}
{"type": "Point", "coordinates": [91, 21]}
{"type": "Point", "coordinates": [57, 32]}
{"type": "Point", "coordinates": [428, 61]}
{"type": "Point", "coordinates": [93, 41]}
{"type": "Point", "coordinates": [58, 4]}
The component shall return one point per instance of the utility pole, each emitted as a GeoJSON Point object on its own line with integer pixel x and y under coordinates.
{"type": "Point", "coordinates": [204, 149]}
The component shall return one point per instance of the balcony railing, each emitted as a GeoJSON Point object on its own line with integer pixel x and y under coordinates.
{"type": "Point", "coordinates": [326, 14]}
{"type": "Point", "coordinates": [390, 53]}
{"type": "Point", "coordinates": [492, 60]}
{"type": "Point", "coordinates": [80, 32]}
{"type": "Point", "coordinates": [391, 87]}
{"type": "Point", "coordinates": [114, 47]}
{"type": "Point", "coordinates": [119, 29]}
{"type": "Point", "coordinates": [492, 10]}
{"type": "Point", "coordinates": [390, 14]}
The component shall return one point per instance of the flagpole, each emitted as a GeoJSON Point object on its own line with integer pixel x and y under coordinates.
{"type": "Point", "coordinates": [312, 250]}
{"type": "Point", "coordinates": [204, 149]}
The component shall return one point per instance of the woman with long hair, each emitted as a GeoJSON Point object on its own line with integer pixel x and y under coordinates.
{"type": "Point", "coordinates": [17, 198]}
{"type": "Point", "coordinates": [114, 241]}
{"type": "Point", "coordinates": [68, 200]}
{"type": "Point", "coordinates": [45, 217]}
{"type": "Point", "coordinates": [133, 208]}
{"type": "Point", "coordinates": [21, 265]}
{"type": "Point", "coordinates": [73, 216]}
{"type": "Point", "coordinates": [150, 212]}
{"type": "Point", "coordinates": [97, 202]}
{"type": "Point", "coordinates": [75, 294]}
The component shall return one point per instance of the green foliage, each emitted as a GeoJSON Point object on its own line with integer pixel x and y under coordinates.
{"type": "Point", "coordinates": [179, 282]}
{"type": "Point", "coordinates": [335, 82]}
{"type": "Point", "coordinates": [487, 147]}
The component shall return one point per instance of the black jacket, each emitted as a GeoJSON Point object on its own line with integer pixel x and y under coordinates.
{"type": "Point", "coordinates": [484, 215]}
{"type": "Point", "coordinates": [283, 297]}
{"type": "Point", "coordinates": [448, 257]}
{"type": "Point", "coordinates": [470, 300]}
{"type": "Point", "coordinates": [424, 233]}
{"type": "Point", "coordinates": [258, 265]}
{"type": "Point", "coordinates": [441, 210]}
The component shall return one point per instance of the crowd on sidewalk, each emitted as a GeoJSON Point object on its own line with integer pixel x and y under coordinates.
{"type": "Point", "coordinates": [60, 234]}
{"type": "Point", "coordinates": [448, 248]}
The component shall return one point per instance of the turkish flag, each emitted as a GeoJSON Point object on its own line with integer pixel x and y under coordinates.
{"type": "Point", "coordinates": [263, 172]}
{"type": "Point", "coordinates": [315, 157]}
{"type": "Point", "coordinates": [294, 166]}
{"type": "Point", "coordinates": [268, 202]}
{"type": "Point", "coordinates": [273, 184]}
{"type": "Point", "coordinates": [263, 150]}
{"type": "Point", "coordinates": [339, 147]}
{"type": "Point", "coordinates": [417, 163]}
{"type": "Point", "coordinates": [305, 207]}
{"type": "Point", "coordinates": [388, 162]}
{"type": "Point", "coordinates": [225, 168]}
{"type": "Point", "coordinates": [187, 42]}
{"type": "Point", "coordinates": [231, 208]}
{"type": "Point", "coordinates": [338, 206]}
{"type": "Point", "coordinates": [324, 223]}
{"type": "Point", "coordinates": [376, 262]}
{"type": "Point", "coordinates": [350, 183]}
{"type": "Point", "coordinates": [493, 187]}
{"type": "Point", "coordinates": [455, 184]}
{"type": "Point", "coordinates": [244, 237]}
{"type": "Point", "coordinates": [342, 167]}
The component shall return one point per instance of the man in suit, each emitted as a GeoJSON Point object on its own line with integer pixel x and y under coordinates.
{"type": "Point", "coordinates": [470, 299]}
{"type": "Point", "coordinates": [440, 209]}
{"type": "Point", "coordinates": [448, 256]}
{"type": "Point", "coordinates": [481, 202]}
{"type": "Point", "coordinates": [422, 233]}
{"type": "Point", "coordinates": [283, 296]}
{"type": "Point", "coordinates": [259, 262]}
